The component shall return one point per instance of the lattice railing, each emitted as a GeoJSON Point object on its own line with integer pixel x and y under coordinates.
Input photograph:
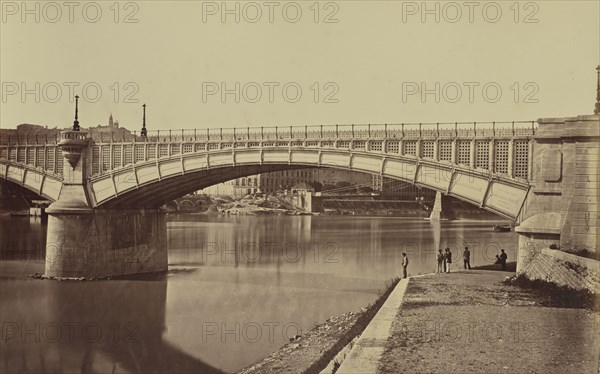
{"type": "Point", "coordinates": [373, 131]}
{"type": "Point", "coordinates": [48, 157]}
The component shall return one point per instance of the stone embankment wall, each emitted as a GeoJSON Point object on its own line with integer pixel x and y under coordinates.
{"type": "Point", "coordinates": [564, 269]}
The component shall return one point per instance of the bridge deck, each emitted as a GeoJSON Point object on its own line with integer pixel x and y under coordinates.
{"type": "Point", "coordinates": [476, 162]}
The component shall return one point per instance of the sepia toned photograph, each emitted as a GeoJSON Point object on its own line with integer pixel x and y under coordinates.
{"type": "Point", "coordinates": [309, 186]}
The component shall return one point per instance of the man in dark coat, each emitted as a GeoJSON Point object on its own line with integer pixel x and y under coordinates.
{"type": "Point", "coordinates": [467, 258]}
{"type": "Point", "coordinates": [503, 257]}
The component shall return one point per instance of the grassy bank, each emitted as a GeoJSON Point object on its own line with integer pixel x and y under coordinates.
{"type": "Point", "coordinates": [553, 295]}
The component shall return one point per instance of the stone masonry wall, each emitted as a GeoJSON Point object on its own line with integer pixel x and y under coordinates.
{"type": "Point", "coordinates": [584, 204]}
{"type": "Point", "coordinates": [564, 269]}
{"type": "Point", "coordinates": [106, 243]}
{"type": "Point", "coordinates": [566, 180]}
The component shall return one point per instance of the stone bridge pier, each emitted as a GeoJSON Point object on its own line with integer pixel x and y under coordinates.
{"type": "Point", "coordinates": [436, 211]}
{"type": "Point", "coordinates": [95, 243]}
{"type": "Point", "coordinates": [561, 210]}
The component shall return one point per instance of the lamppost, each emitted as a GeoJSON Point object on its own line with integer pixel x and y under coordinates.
{"type": "Point", "coordinates": [76, 122]}
{"type": "Point", "coordinates": [144, 132]}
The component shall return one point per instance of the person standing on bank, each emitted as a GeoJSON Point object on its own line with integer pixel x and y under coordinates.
{"type": "Point", "coordinates": [503, 258]}
{"type": "Point", "coordinates": [448, 259]}
{"type": "Point", "coordinates": [467, 258]}
{"type": "Point", "coordinates": [441, 264]}
{"type": "Point", "coordinates": [404, 264]}
{"type": "Point", "coordinates": [444, 260]}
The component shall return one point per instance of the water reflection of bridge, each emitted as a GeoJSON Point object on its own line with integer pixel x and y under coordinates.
{"type": "Point", "coordinates": [91, 327]}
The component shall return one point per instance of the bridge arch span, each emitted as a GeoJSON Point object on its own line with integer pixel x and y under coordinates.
{"type": "Point", "coordinates": [41, 182]}
{"type": "Point", "coordinates": [155, 193]}
{"type": "Point", "coordinates": [153, 183]}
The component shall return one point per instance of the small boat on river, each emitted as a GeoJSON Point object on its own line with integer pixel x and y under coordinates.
{"type": "Point", "coordinates": [502, 228]}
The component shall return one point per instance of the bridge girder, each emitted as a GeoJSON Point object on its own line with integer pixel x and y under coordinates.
{"type": "Point", "coordinates": [154, 182]}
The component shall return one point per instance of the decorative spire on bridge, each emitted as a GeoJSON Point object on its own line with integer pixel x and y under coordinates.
{"type": "Point", "coordinates": [597, 109]}
{"type": "Point", "coordinates": [76, 122]}
{"type": "Point", "coordinates": [144, 131]}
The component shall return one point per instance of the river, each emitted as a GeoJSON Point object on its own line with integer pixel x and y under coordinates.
{"type": "Point", "coordinates": [237, 289]}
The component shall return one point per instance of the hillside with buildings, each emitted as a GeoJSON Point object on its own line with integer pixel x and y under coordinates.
{"type": "Point", "coordinates": [27, 132]}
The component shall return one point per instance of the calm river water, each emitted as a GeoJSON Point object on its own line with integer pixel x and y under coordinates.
{"type": "Point", "coordinates": [237, 289]}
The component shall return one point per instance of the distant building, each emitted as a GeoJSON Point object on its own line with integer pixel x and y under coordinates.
{"type": "Point", "coordinates": [26, 130]}
{"type": "Point", "coordinates": [221, 189]}
{"type": "Point", "coordinates": [112, 123]}
{"type": "Point", "coordinates": [236, 187]}
{"type": "Point", "coordinates": [112, 128]}
{"type": "Point", "coordinates": [247, 185]}
{"type": "Point", "coordinates": [301, 195]}
{"type": "Point", "coordinates": [332, 177]}
{"type": "Point", "coordinates": [286, 179]}
{"type": "Point", "coordinates": [31, 131]}
{"type": "Point", "coordinates": [399, 190]}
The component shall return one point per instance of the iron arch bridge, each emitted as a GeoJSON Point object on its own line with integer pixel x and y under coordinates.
{"type": "Point", "coordinates": [487, 164]}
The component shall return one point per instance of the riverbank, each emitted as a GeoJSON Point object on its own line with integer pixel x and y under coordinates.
{"type": "Point", "coordinates": [247, 205]}
{"type": "Point", "coordinates": [279, 204]}
{"type": "Point", "coordinates": [317, 349]}
{"type": "Point", "coordinates": [468, 321]}
{"type": "Point", "coordinates": [473, 322]}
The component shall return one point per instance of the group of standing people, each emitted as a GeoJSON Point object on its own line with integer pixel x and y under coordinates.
{"type": "Point", "coordinates": [444, 260]}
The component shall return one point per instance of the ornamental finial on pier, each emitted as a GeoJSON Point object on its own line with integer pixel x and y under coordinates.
{"type": "Point", "coordinates": [144, 131]}
{"type": "Point", "coordinates": [76, 122]}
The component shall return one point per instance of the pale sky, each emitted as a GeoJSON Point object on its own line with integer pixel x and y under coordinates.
{"type": "Point", "coordinates": [373, 61]}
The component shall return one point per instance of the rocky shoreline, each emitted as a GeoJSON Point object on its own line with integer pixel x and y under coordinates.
{"type": "Point", "coordinates": [318, 350]}
{"type": "Point", "coordinates": [303, 350]}
{"type": "Point", "coordinates": [279, 204]}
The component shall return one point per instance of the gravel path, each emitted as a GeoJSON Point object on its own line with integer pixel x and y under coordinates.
{"type": "Point", "coordinates": [469, 322]}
